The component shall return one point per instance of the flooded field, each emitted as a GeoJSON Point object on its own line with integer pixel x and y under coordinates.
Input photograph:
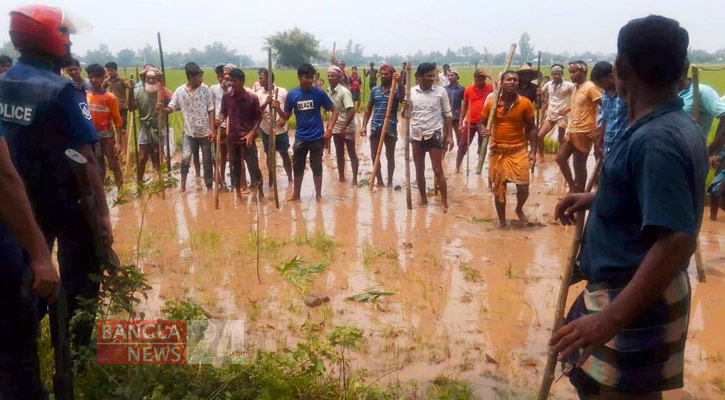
{"type": "Point", "coordinates": [464, 298]}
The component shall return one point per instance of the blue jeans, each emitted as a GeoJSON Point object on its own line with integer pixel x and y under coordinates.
{"type": "Point", "coordinates": [192, 146]}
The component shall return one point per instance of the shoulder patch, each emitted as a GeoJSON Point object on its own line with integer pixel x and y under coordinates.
{"type": "Point", "coordinates": [85, 110]}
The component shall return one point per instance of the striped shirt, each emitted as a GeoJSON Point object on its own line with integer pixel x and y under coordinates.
{"type": "Point", "coordinates": [379, 101]}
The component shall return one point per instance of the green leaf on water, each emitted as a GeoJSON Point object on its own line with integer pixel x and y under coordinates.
{"type": "Point", "coordinates": [368, 296]}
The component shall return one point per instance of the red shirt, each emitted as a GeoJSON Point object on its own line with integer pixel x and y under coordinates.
{"type": "Point", "coordinates": [243, 112]}
{"type": "Point", "coordinates": [476, 98]}
{"type": "Point", "coordinates": [355, 82]}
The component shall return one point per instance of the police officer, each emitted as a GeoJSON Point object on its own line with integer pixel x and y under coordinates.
{"type": "Point", "coordinates": [43, 115]}
{"type": "Point", "coordinates": [22, 251]}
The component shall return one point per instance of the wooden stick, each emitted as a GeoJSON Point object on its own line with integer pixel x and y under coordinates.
{"type": "Point", "coordinates": [166, 116]}
{"type": "Point", "coordinates": [699, 265]}
{"type": "Point", "coordinates": [492, 115]}
{"type": "Point", "coordinates": [130, 137]}
{"type": "Point", "coordinates": [468, 145]}
{"type": "Point", "coordinates": [218, 166]}
{"type": "Point", "coordinates": [160, 125]}
{"type": "Point", "coordinates": [537, 103]}
{"type": "Point", "coordinates": [272, 153]}
{"type": "Point", "coordinates": [550, 367]}
{"type": "Point", "coordinates": [406, 140]}
{"type": "Point", "coordinates": [382, 133]}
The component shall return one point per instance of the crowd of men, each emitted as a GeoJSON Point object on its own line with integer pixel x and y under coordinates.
{"type": "Point", "coordinates": [636, 117]}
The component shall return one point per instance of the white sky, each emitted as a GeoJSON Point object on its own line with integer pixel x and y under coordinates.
{"type": "Point", "coordinates": [384, 27]}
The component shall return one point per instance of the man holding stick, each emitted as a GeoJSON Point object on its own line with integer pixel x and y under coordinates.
{"type": "Point", "coordinates": [282, 139]}
{"type": "Point", "coordinates": [582, 129]}
{"type": "Point", "coordinates": [474, 98]}
{"type": "Point", "coordinates": [455, 96]}
{"type": "Point", "coordinates": [306, 102]}
{"type": "Point", "coordinates": [217, 92]}
{"type": "Point", "coordinates": [119, 88]}
{"type": "Point", "coordinates": [513, 126]}
{"type": "Point", "coordinates": [241, 110]}
{"type": "Point", "coordinates": [430, 129]}
{"type": "Point", "coordinates": [197, 108]}
{"type": "Point", "coordinates": [144, 101]}
{"type": "Point", "coordinates": [377, 107]}
{"type": "Point", "coordinates": [343, 133]}
{"type": "Point", "coordinates": [625, 334]}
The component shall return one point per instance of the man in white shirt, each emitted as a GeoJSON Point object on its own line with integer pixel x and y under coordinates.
{"type": "Point", "coordinates": [431, 121]}
{"type": "Point", "coordinates": [217, 91]}
{"type": "Point", "coordinates": [195, 102]}
{"type": "Point", "coordinates": [280, 129]}
{"type": "Point", "coordinates": [443, 76]}
{"type": "Point", "coordinates": [556, 95]}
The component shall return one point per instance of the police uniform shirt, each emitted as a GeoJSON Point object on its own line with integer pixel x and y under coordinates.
{"type": "Point", "coordinates": [44, 114]}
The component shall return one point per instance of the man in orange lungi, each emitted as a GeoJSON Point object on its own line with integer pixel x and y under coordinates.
{"type": "Point", "coordinates": [509, 158]}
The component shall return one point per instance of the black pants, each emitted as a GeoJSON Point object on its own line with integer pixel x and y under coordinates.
{"type": "Point", "coordinates": [299, 156]}
{"type": "Point", "coordinates": [236, 153]}
{"type": "Point", "coordinates": [19, 365]}
{"type": "Point", "coordinates": [77, 261]}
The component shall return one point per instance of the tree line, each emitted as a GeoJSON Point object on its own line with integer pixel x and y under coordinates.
{"type": "Point", "coordinates": [293, 47]}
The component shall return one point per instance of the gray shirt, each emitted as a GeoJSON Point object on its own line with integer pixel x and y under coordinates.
{"type": "Point", "coordinates": [427, 111]}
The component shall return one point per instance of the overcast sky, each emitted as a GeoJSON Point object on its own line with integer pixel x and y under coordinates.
{"type": "Point", "coordinates": [383, 27]}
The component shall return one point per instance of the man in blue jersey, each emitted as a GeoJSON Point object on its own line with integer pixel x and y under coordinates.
{"type": "Point", "coordinates": [306, 102]}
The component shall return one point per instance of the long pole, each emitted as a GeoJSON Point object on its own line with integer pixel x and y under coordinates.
{"type": "Point", "coordinates": [406, 140]}
{"type": "Point", "coordinates": [492, 115]}
{"type": "Point", "coordinates": [699, 265]}
{"type": "Point", "coordinates": [538, 101]}
{"type": "Point", "coordinates": [272, 154]}
{"type": "Point", "coordinates": [166, 116]}
{"type": "Point", "coordinates": [160, 126]}
{"type": "Point", "coordinates": [550, 367]}
{"type": "Point", "coordinates": [383, 132]}
{"type": "Point", "coordinates": [131, 138]}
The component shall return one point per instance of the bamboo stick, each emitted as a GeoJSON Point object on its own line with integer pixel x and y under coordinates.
{"type": "Point", "coordinates": [272, 153]}
{"type": "Point", "coordinates": [550, 367]}
{"type": "Point", "coordinates": [406, 140]}
{"type": "Point", "coordinates": [376, 165]}
{"type": "Point", "coordinates": [699, 265]}
{"type": "Point", "coordinates": [492, 116]}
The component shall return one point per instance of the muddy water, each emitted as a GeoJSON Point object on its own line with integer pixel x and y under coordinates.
{"type": "Point", "coordinates": [471, 301]}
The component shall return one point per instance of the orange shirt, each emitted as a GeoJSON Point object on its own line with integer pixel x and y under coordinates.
{"type": "Point", "coordinates": [508, 127]}
{"type": "Point", "coordinates": [104, 108]}
{"type": "Point", "coordinates": [583, 115]}
{"type": "Point", "coordinates": [475, 98]}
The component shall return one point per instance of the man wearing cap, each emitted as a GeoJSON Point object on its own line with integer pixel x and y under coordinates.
{"type": "Point", "coordinates": [555, 95]}
{"type": "Point", "coordinates": [474, 98]}
{"type": "Point", "coordinates": [455, 96]}
{"type": "Point", "coordinates": [55, 117]}
{"type": "Point", "coordinates": [582, 129]}
{"type": "Point", "coordinates": [377, 108]}
{"type": "Point", "coordinates": [144, 101]}
{"type": "Point", "coordinates": [343, 133]}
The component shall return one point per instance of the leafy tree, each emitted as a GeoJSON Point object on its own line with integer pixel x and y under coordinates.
{"type": "Point", "coordinates": [125, 58]}
{"type": "Point", "coordinates": [525, 48]}
{"type": "Point", "coordinates": [101, 55]}
{"type": "Point", "coordinates": [294, 47]}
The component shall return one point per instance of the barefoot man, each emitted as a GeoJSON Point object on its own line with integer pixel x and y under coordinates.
{"type": "Point", "coordinates": [377, 108]}
{"type": "Point", "coordinates": [582, 130]}
{"type": "Point", "coordinates": [306, 101]}
{"type": "Point", "coordinates": [241, 109]}
{"type": "Point", "coordinates": [474, 97]}
{"type": "Point", "coordinates": [555, 94]}
{"type": "Point", "coordinates": [625, 335]}
{"type": "Point", "coordinates": [514, 126]}
{"type": "Point", "coordinates": [343, 133]}
{"type": "Point", "coordinates": [430, 128]}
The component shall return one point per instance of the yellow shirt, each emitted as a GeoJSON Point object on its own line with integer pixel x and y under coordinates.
{"type": "Point", "coordinates": [583, 115]}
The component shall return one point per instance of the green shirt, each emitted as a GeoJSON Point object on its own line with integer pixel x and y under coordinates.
{"type": "Point", "coordinates": [342, 98]}
{"type": "Point", "coordinates": [711, 106]}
